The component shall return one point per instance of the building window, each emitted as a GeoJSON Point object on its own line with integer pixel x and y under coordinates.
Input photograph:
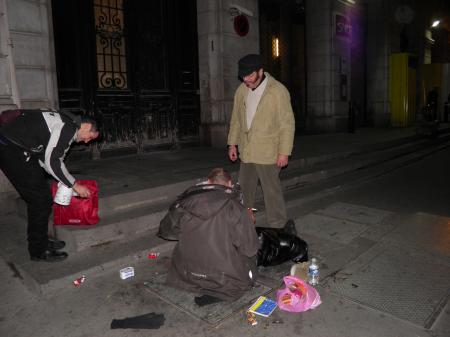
{"type": "Point", "coordinates": [110, 43]}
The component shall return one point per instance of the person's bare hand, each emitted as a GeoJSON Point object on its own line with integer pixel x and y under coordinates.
{"type": "Point", "coordinates": [282, 160]}
{"type": "Point", "coordinates": [81, 190]}
{"type": "Point", "coordinates": [232, 152]}
{"type": "Point", "coordinates": [251, 215]}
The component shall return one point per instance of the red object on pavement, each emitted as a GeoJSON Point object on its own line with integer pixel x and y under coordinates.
{"type": "Point", "coordinates": [81, 211]}
{"type": "Point", "coordinates": [153, 256]}
{"type": "Point", "coordinates": [79, 281]}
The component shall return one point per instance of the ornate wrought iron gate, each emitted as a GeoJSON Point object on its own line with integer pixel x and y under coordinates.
{"type": "Point", "coordinates": [133, 64]}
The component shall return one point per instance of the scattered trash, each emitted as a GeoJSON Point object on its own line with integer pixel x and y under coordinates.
{"type": "Point", "coordinates": [300, 270]}
{"type": "Point", "coordinates": [79, 281]}
{"type": "Point", "coordinates": [355, 285]}
{"type": "Point", "coordinates": [263, 306]}
{"type": "Point", "coordinates": [338, 276]}
{"type": "Point", "coordinates": [126, 273]}
{"type": "Point", "coordinates": [153, 256]}
{"type": "Point", "coordinates": [147, 321]}
{"type": "Point", "coordinates": [251, 318]}
{"type": "Point", "coordinates": [313, 272]}
{"type": "Point", "coordinates": [277, 321]}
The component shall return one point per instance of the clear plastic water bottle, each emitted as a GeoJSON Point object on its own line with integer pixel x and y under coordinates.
{"type": "Point", "coordinates": [313, 272]}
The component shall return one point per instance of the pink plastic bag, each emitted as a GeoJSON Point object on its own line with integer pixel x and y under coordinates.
{"type": "Point", "coordinates": [297, 296]}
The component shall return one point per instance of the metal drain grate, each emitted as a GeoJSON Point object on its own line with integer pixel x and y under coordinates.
{"type": "Point", "coordinates": [213, 314]}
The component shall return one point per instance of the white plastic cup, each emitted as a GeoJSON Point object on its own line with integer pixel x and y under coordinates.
{"type": "Point", "coordinates": [63, 195]}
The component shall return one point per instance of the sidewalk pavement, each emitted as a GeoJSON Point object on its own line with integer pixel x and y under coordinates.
{"type": "Point", "coordinates": [360, 250]}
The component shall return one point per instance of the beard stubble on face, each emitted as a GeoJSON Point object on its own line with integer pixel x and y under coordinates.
{"type": "Point", "coordinates": [254, 82]}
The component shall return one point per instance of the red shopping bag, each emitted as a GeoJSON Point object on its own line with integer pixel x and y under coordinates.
{"type": "Point", "coordinates": [81, 211]}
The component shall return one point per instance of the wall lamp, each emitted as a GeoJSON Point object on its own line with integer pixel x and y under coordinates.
{"type": "Point", "coordinates": [435, 23]}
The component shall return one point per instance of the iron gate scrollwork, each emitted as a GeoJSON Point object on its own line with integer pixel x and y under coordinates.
{"type": "Point", "coordinates": [134, 65]}
{"type": "Point", "coordinates": [110, 44]}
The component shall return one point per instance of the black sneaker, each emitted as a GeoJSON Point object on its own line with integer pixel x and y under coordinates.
{"type": "Point", "coordinates": [55, 244]}
{"type": "Point", "coordinates": [50, 256]}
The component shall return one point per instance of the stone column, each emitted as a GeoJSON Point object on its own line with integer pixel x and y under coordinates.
{"type": "Point", "coordinates": [379, 48]}
{"type": "Point", "coordinates": [8, 87]}
{"type": "Point", "coordinates": [220, 48]}
{"type": "Point", "coordinates": [8, 99]}
{"type": "Point", "coordinates": [27, 65]}
{"type": "Point", "coordinates": [31, 35]}
{"type": "Point", "coordinates": [326, 57]}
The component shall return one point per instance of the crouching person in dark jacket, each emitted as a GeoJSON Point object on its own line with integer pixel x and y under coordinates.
{"type": "Point", "coordinates": [217, 243]}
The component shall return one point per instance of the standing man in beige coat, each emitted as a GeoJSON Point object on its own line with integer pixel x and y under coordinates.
{"type": "Point", "coordinates": [262, 132]}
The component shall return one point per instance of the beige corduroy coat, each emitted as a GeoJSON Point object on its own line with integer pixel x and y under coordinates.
{"type": "Point", "coordinates": [272, 129]}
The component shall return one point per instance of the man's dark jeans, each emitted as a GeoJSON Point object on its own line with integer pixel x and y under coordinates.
{"type": "Point", "coordinates": [28, 177]}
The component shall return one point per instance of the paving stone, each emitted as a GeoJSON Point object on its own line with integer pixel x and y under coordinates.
{"type": "Point", "coordinates": [331, 228]}
{"type": "Point", "coordinates": [397, 280]}
{"type": "Point", "coordinates": [424, 232]}
{"type": "Point", "coordinates": [356, 213]}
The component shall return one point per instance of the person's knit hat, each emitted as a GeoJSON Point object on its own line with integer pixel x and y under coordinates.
{"type": "Point", "coordinates": [248, 64]}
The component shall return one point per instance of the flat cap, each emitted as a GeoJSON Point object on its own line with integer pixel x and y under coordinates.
{"type": "Point", "coordinates": [248, 64]}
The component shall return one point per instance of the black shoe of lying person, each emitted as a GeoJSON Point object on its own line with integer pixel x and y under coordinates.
{"type": "Point", "coordinates": [55, 244]}
{"type": "Point", "coordinates": [50, 256]}
{"type": "Point", "coordinates": [206, 300]}
{"type": "Point", "coordinates": [289, 227]}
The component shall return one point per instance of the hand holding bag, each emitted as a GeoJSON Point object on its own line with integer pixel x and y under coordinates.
{"type": "Point", "coordinates": [80, 211]}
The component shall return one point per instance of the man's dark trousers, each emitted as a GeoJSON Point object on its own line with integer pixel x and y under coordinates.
{"type": "Point", "coordinates": [28, 178]}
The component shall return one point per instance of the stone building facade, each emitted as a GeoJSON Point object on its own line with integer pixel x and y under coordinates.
{"type": "Point", "coordinates": [343, 53]}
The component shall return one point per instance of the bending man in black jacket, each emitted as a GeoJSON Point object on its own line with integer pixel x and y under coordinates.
{"type": "Point", "coordinates": [33, 140]}
{"type": "Point", "coordinates": [216, 252]}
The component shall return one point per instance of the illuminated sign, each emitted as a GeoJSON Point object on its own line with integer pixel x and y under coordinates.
{"type": "Point", "coordinates": [342, 26]}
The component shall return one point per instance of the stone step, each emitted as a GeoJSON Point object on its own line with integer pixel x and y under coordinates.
{"type": "Point", "coordinates": [126, 216]}
{"type": "Point", "coordinates": [147, 197]}
{"type": "Point", "coordinates": [108, 257]}
{"type": "Point", "coordinates": [118, 226]}
{"type": "Point", "coordinates": [111, 204]}
{"type": "Point", "coordinates": [45, 278]}
{"type": "Point", "coordinates": [129, 222]}
{"type": "Point", "coordinates": [295, 178]}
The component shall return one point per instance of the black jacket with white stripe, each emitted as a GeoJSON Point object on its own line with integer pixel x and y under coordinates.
{"type": "Point", "coordinates": [46, 136]}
